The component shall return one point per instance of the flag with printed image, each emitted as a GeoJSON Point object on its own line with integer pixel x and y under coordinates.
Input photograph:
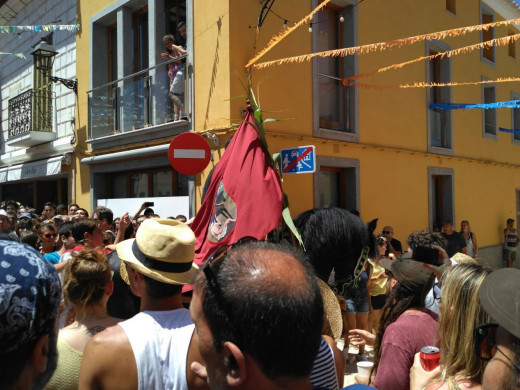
{"type": "Point", "coordinates": [244, 197]}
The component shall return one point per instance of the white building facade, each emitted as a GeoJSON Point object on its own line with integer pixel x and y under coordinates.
{"type": "Point", "coordinates": [38, 114]}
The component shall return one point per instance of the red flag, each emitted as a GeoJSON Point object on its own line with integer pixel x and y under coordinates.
{"type": "Point", "coordinates": [244, 197]}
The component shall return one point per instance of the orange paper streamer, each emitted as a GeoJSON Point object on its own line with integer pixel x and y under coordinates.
{"type": "Point", "coordinates": [421, 84]}
{"type": "Point", "coordinates": [278, 38]}
{"type": "Point", "coordinates": [363, 49]}
{"type": "Point", "coordinates": [450, 53]}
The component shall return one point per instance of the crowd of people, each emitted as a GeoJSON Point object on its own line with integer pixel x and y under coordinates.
{"type": "Point", "coordinates": [98, 303]}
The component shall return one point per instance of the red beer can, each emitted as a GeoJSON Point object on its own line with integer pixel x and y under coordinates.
{"type": "Point", "coordinates": [430, 357]}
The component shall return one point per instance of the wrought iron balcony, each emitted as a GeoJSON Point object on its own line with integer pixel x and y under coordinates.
{"type": "Point", "coordinates": [30, 118]}
{"type": "Point", "coordinates": [138, 101]}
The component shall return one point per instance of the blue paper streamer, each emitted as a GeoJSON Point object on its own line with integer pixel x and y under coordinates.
{"type": "Point", "coordinates": [512, 131]}
{"type": "Point", "coordinates": [483, 106]}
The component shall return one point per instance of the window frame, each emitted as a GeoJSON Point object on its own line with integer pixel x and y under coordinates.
{"type": "Point", "coordinates": [451, 6]}
{"type": "Point", "coordinates": [515, 96]}
{"type": "Point", "coordinates": [484, 133]}
{"type": "Point", "coordinates": [511, 47]}
{"type": "Point", "coordinates": [331, 163]}
{"type": "Point", "coordinates": [438, 47]}
{"type": "Point", "coordinates": [485, 10]}
{"type": "Point", "coordinates": [437, 171]}
{"type": "Point", "coordinates": [353, 135]}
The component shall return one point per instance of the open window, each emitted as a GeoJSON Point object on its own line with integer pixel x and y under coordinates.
{"type": "Point", "coordinates": [440, 137]}
{"type": "Point", "coordinates": [335, 105]}
{"type": "Point", "coordinates": [487, 16]}
{"type": "Point", "coordinates": [489, 116]}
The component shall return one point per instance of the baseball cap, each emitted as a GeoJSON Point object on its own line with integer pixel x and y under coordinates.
{"type": "Point", "coordinates": [410, 273]}
{"type": "Point", "coordinates": [3, 212]}
{"type": "Point", "coordinates": [25, 215]}
{"type": "Point", "coordinates": [500, 296]}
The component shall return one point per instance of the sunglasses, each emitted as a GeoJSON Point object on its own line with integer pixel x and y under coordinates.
{"type": "Point", "coordinates": [386, 232]}
{"type": "Point", "coordinates": [486, 346]}
{"type": "Point", "coordinates": [25, 228]}
{"type": "Point", "coordinates": [437, 292]}
{"type": "Point", "coordinates": [49, 235]}
{"type": "Point", "coordinates": [221, 252]}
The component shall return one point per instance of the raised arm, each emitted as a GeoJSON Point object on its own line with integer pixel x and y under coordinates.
{"type": "Point", "coordinates": [123, 225]}
{"type": "Point", "coordinates": [138, 214]}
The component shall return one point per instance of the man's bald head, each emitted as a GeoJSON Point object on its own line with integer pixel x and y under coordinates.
{"type": "Point", "coordinates": [265, 299]}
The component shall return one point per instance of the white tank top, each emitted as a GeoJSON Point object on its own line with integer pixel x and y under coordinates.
{"type": "Point", "coordinates": [160, 341]}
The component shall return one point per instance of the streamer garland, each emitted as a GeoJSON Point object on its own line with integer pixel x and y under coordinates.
{"type": "Point", "coordinates": [450, 53]}
{"type": "Point", "coordinates": [17, 55]}
{"type": "Point", "coordinates": [278, 38]}
{"type": "Point", "coordinates": [420, 84]}
{"type": "Point", "coordinates": [381, 46]}
{"type": "Point", "coordinates": [483, 106]}
{"type": "Point", "coordinates": [512, 131]}
{"type": "Point", "coordinates": [40, 27]}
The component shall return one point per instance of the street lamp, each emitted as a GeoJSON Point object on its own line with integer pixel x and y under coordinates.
{"type": "Point", "coordinates": [44, 58]}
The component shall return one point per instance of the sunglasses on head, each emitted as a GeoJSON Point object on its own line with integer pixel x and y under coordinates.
{"type": "Point", "coordinates": [49, 235]}
{"type": "Point", "coordinates": [486, 345]}
{"type": "Point", "coordinates": [222, 251]}
{"type": "Point", "coordinates": [381, 242]}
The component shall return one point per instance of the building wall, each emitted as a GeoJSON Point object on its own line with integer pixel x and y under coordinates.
{"type": "Point", "coordinates": [16, 77]}
{"type": "Point", "coordinates": [394, 162]}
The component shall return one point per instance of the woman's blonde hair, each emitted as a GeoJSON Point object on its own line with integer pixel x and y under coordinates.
{"type": "Point", "coordinates": [460, 312]}
{"type": "Point", "coordinates": [85, 278]}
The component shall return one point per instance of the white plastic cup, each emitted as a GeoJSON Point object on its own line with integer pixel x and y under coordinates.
{"type": "Point", "coordinates": [364, 368]}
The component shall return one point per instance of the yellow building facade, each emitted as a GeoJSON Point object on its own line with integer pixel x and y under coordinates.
{"type": "Point", "coordinates": [380, 151]}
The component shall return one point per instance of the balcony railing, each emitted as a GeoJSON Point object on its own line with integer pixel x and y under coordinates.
{"type": "Point", "coordinates": [135, 101]}
{"type": "Point", "coordinates": [30, 111]}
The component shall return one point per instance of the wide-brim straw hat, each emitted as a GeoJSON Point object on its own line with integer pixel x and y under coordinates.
{"type": "Point", "coordinates": [332, 309]}
{"type": "Point", "coordinates": [163, 249]}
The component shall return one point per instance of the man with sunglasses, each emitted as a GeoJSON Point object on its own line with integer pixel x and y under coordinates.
{"type": "Point", "coordinates": [394, 245]}
{"type": "Point", "coordinates": [258, 313]}
{"type": "Point", "coordinates": [499, 343]}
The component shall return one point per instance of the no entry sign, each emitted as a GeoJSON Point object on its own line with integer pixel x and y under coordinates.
{"type": "Point", "coordinates": [189, 153]}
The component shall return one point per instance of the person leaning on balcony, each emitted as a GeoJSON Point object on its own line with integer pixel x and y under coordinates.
{"type": "Point", "coordinates": [172, 52]}
{"type": "Point", "coordinates": [179, 82]}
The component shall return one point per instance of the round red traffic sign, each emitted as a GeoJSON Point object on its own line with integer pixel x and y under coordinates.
{"type": "Point", "coordinates": [189, 153]}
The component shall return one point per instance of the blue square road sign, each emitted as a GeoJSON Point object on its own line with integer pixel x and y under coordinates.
{"type": "Point", "coordinates": [299, 160]}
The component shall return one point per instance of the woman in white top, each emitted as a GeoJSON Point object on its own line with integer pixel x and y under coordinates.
{"type": "Point", "coordinates": [471, 239]}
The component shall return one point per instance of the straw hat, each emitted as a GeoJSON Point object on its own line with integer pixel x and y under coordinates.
{"type": "Point", "coordinates": [332, 309]}
{"type": "Point", "coordinates": [462, 258]}
{"type": "Point", "coordinates": [163, 249]}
